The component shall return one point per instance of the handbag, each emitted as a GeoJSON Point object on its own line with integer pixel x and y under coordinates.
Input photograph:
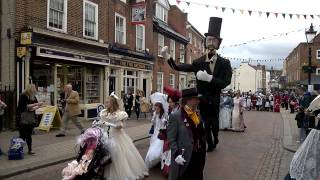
{"type": "Point", "coordinates": [27, 118]}
{"type": "Point", "coordinates": [162, 134]}
{"type": "Point", "coordinates": [151, 131]}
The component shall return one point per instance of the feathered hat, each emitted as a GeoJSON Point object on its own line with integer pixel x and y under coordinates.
{"type": "Point", "coordinates": [174, 94]}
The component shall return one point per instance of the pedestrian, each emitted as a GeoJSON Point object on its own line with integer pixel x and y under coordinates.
{"type": "Point", "coordinates": [144, 104]}
{"type": "Point", "coordinates": [128, 102]}
{"type": "Point", "coordinates": [226, 107]}
{"type": "Point", "coordinates": [300, 117]}
{"type": "Point", "coordinates": [271, 102]}
{"type": "Point", "coordinates": [26, 119]}
{"type": "Point", "coordinates": [237, 113]}
{"type": "Point", "coordinates": [174, 96]}
{"type": "Point", "coordinates": [158, 120]}
{"type": "Point", "coordinates": [127, 162]}
{"type": "Point", "coordinates": [137, 103]}
{"type": "Point", "coordinates": [3, 106]}
{"type": "Point", "coordinates": [292, 103]}
{"type": "Point", "coordinates": [186, 136]}
{"type": "Point", "coordinates": [213, 74]}
{"type": "Point", "coordinates": [71, 110]}
{"type": "Point", "coordinates": [267, 104]}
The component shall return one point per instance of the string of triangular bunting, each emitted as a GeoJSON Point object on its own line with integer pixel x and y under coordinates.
{"type": "Point", "coordinates": [265, 38]}
{"type": "Point", "coordinates": [255, 60]}
{"type": "Point", "coordinates": [242, 11]}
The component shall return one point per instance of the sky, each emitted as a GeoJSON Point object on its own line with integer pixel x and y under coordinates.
{"type": "Point", "coordinates": [239, 28]}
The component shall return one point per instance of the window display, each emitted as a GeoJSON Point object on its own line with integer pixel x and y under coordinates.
{"type": "Point", "coordinates": [93, 85]}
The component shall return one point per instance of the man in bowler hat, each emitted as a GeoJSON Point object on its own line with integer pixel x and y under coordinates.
{"type": "Point", "coordinates": [213, 74]}
{"type": "Point", "coordinates": [186, 136]}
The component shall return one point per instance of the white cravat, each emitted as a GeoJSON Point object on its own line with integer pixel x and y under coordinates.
{"type": "Point", "coordinates": [212, 61]}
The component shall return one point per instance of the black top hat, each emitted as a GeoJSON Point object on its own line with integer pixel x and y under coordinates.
{"type": "Point", "coordinates": [189, 92]}
{"type": "Point", "coordinates": [214, 27]}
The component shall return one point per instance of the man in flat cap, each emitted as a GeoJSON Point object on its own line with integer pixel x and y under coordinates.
{"type": "Point", "coordinates": [213, 74]}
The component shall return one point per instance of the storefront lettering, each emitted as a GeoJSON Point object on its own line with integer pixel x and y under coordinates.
{"type": "Point", "coordinates": [130, 64]}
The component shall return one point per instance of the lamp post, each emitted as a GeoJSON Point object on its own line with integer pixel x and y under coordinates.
{"type": "Point", "coordinates": [310, 34]}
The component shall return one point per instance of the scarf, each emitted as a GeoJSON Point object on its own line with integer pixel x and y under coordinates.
{"type": "Point", "coordinates": [192, 115]}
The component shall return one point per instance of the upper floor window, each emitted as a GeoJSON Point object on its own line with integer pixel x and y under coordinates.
{"type": "Point", "coordinates": [57, 15]}
{"type": "Point", "coordinates": [318, 54]}
{"type": "Point", "coordinates": [90, 20]}
{"type": "Point", "coordinates": [190, 37]}
{"type": "Point", "coordinates": [182, 53]}
{"type": "Point", "coordinates": [140, 37]}
{"type": "Point", "coordinates": [195, 42]}
{"type": "Point", "coordinates": [120, 32]}
{"type": "Point", "coordinates": [173, 48]}
{"type": "Point", "coordinates": [171, 80]}
{"type": "Point", "coordinates": [160, 43]}
{"type": "Point", "coordinates": [125, 1]}
{"type": "Point", "coordinates": [162, 8]}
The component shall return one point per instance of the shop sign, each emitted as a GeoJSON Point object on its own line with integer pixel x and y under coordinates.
{"type": "Point", "coordinates": [138, 13]}
{"type": "Point", "coordinates": [50, 118]}
{"type": "Point", "coordinates": [26, 38]}
{"type": "Point", "coordinates": [131, 64]}
{"type": "Point", "coordinates": [21, 51]}
{"type": "Point", "coordinates": [46, 52]}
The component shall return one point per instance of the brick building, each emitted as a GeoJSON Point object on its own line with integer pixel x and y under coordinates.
{"type": "Point", "coordinates": [94, 45]}
{"type": "Point", "coordinates": [297, 61]}
{"type": "Point", "coordinates": [195, 49]}
{"type": "Point", "coordinates": [169, 29]}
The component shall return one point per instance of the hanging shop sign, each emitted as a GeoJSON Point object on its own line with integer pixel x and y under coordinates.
{"type": "Point", "coordinates": [26, 38]}
{"type": "Point", "coordinates": [53, 53]}
{"type": "Point", "coordinates": [138, 13]}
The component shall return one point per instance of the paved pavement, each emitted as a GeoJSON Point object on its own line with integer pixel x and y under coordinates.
{"type": "Point", "coordinates": [51, 150]}
{"type": "Point", "coordinates": [256, 154]}
{"type": "Point", "coordinates": [290, 131]}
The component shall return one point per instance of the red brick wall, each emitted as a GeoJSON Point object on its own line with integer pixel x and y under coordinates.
{"type": "Point", "coordinates": [177, 20]}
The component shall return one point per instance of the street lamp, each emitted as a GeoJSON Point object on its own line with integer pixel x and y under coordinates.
{"type": "Point", "coordinates": [310, 34]}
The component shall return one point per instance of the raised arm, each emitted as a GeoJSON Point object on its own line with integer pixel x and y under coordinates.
{"type": "Point", "coordinates": [173, 65]}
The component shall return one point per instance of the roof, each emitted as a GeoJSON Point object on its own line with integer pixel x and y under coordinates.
{"type": "Point", "coordinates": [196, 30]}
{"type": "Point", "coordinates": [163, 27]}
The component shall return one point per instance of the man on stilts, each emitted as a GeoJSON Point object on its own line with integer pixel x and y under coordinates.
{"type": "Point", "coordinates": [213, 74]}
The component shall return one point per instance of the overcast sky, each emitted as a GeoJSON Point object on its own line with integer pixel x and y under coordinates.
{"type": "Point", "coordinates": [238, 28]}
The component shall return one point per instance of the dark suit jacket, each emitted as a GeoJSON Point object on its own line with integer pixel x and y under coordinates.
{"type": "Point", "coordinates": [182, 137]}
{"type": "Point", "coordinates": [222, 74]}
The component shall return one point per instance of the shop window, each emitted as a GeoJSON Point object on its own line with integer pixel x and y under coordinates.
{"type": "Point", "coordinates": [129, 81]}
{"type": "Point", "coordinates": [171, 80]}
{"type": "Point", "coordinates": [120, 29]}
{"type": "Point", "coordinates": [90, 20]}
{"type": "Point", "coordinates": [140, 37]}
{"type": "Point", "coordinates": [160, 82]}
{"type": "Point", "coordinates": [93, 85]}
{"type": "Point", "coordinates": [57, 15]}
{"type": "Point", "coordinates": [173, 48]}
{"type": "Point", "coordinates": [160, 43]}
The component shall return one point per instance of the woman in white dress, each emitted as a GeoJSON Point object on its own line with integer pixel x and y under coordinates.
{"type": "Point", "coordinates": [127, 163]}
{"type": "Point", "coordinates": [155, 150]}
{"type": "Point", "coordinates": [226, 105]}
{"type": "Point", "coordinates": [237, 113]}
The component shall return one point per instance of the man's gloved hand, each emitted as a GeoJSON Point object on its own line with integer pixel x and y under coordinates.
{"type": "Point", "coordinates": [165, 53]}
{"type": "Point", "coordinates": [180, 160]}
{"type": "Point", "coordinates": [204, 76]}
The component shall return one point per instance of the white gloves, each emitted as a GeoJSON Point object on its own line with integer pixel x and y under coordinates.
{"type": "Point", "coordinates": [164, 53]}
{"type": "Point", "coordinates": [110, 124]}
{"type": "Point", "coordinates": [180, 160]}
{"type": "Point", "coordinates": [204, 76]}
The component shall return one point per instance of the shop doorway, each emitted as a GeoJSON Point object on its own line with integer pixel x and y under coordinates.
{"type": "Point", "coordinates": [112, 84]}
{"type": "Point", "coordinates": [144, 86]}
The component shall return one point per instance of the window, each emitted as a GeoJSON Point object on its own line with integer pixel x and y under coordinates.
{"type": "Point", "coordinates": [190, 60]}
{"type": "Point", "coordinates": [160, 43]}
{"type": "Point", "coordinates": [125, 1]}
{"type": "Point", "coordinates": [195, 42]}
{"type": "Point", "coordinates": [181, 53]}
{"type": "Point", "coordinates": [173, 48]}
{"type": "Point", "coordinates": [183, 82]}
{"type": "Point", "coordinates": [161, 13]}
{"type": "Point", "coordinates": [140, 37]}
{"type": "Point", "coordinates": [199, 44]}
{"type": "Point", "coordinates": [120, 29]}
{"type": "Point", "coordinates": [57, 15]}
{"type": "Point", "coordinates": [90, 20]}
{"type": "Point", "coordinates": [190, 38]}
{"type": "Point", "coordinates": [171, 80]}
{"type": "Point", "coordinates": [318, 54]}
{"type": "Point", "coordinates": [160, 82]}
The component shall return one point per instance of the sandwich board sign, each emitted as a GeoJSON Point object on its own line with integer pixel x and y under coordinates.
{"type": "Point", "coordinates": [50, 119]}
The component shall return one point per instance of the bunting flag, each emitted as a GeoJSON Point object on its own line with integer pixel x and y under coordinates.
{"type": "Point", "coordinates": [223, 9]}
{"type": "Point", "coordinates": [255, 60]}
{"type": "Point", "coordinates": [266, 38]}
